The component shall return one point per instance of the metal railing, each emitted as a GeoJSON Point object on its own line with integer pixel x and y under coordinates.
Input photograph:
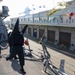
{"type": "Point", "coordinates": [48, 23]}
{"type": "Point", "coordinates": [61, 65]}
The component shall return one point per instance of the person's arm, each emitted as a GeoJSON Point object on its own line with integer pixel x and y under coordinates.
{"type": "Point", "coordinates": [24, 29]}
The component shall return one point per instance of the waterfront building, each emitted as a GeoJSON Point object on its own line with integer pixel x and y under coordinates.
{"type": "Point", "coordinates": [58, 28]}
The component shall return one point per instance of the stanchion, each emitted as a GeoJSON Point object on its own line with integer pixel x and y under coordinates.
{"type": "Point", "coordinates": [0, 52]}
{"type": "Point", "coordinates": [74, 72]}
{"type": "Point", "coordinates": [74, 69]}
{"type": "Point", "coordinates": [62, 62]}
{"type": "Point", "coordinates": [61, 68]}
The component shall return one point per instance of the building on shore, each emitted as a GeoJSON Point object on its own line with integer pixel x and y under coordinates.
{"type": "Point", "coordinates": [58, 28]}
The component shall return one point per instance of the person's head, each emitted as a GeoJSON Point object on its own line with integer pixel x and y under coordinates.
{"type": "Point", "coordinates": [16, 27]}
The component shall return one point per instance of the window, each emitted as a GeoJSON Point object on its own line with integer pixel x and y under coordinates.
{"type": "Point", "coordinates": [54, 19]}
{"type": "Point", "coordinates": [72, 20]}
{"type": "Point", "coordinates": [24, 19]}
{"type": "Point", "coordinates": [61, 20]}
{"type": "Point", "coordinates": [67, 21]}
{"type": "Point", "coordinates": [30, 19]}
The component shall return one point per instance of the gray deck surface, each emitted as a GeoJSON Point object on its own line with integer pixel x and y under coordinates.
{"type": "Point", "coordinates": [31, 67]}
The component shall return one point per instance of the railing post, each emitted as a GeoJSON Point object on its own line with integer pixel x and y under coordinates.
{"type": "Point", "coordinates": [0, 52]}
{"type": "Point", "coordinates": [74, 69]}
{"type": "Point", "coordinates": [61, 68]}
{"type": "Point", "coordinates": [74, 72]}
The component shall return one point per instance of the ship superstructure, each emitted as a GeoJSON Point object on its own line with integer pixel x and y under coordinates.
{"type": "Point", "coordinates": [3, 29]}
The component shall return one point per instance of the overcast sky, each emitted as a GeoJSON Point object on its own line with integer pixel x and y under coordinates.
{"type": "Point", "coordinates": [18, 6]}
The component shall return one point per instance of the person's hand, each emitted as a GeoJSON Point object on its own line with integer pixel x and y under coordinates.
{"type": "Point", "coordinates": [26, 25]}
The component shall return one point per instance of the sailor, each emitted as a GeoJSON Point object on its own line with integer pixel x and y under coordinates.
{"type": "Point", "coordinates": [10, 39]}
{"type": "Point", "coordinates": [18, 42]}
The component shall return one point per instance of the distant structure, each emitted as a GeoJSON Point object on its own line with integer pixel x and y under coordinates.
{"type": "Point", "coordinates": [1, 0]}
{"type": "Point", "coordinates": [3, 29]}
{"type": "Point", "coordinates": [27, 11]}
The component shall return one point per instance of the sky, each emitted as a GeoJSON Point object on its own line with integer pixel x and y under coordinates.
{"type": "Point", "coordinates": [16, 7]}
